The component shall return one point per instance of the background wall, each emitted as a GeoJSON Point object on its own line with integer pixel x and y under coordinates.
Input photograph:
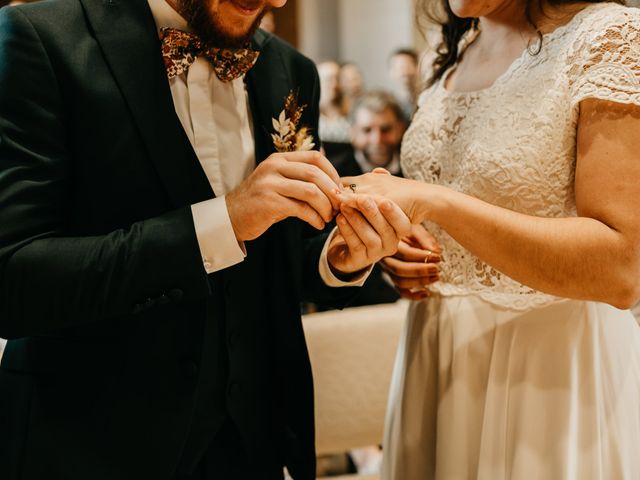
{"type": "Point", "coordinates": [370, 30]}
{"type": "Point", "coordinates": [362, 31]}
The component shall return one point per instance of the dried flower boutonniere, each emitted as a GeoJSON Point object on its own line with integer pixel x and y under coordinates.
{"type": "Point", "coordinates": [290, 136]}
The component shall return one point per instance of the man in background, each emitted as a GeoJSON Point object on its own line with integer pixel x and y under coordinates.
{"type": "Point", "coordinates": [404, 73]}
{"type": "Point", "coordinates": [351, 84]}
{"type": "Point", "coordinates": [377, 126]}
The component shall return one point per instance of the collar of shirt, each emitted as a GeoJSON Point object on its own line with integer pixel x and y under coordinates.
{"type": "Point", "coordinates": [393, 166]}
{"type": "Point", "coordinates": [215, 115]}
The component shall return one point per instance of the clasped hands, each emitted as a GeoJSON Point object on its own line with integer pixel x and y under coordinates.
{"type": "Point", "coordinates": [370, 227]}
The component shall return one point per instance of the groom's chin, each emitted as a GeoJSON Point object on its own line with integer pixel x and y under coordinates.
{"type": "Point", "coordinates": [219, 24]}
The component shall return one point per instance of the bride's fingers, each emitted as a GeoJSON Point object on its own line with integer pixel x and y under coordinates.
{"type": "Point", "coordinates": [399, 268]}
{"type": "Point", "coordinates": [424, 239]}
{"type": "Point", "coordinates": [412, 294]}
{"type": "Point", "coordinates": [384, 171]}
{"type": "Point", "coordinates": [412, 253]}
{"type": "Point", "coordinates": [414, 283]}
{"type": "Point", "coordinates": [346, 181]}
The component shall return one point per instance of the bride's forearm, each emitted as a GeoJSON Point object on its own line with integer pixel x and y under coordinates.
{"type": "Point", "coordinates": [569, 257]}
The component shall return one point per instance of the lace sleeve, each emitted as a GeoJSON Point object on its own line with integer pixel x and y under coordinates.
{"type": "Point", "coordinates": [605, 63]}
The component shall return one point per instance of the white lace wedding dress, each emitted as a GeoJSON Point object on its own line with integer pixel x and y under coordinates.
{"type": "Point", "coordinates": [493, 379]}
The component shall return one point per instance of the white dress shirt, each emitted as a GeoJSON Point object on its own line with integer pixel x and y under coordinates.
{"type": "Point", "coordinates": [216, 117]}
{"type": "Point", "coordinates": [393, 167]}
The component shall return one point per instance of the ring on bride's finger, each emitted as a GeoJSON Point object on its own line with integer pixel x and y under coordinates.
{"type": "Point", "coordinates": [352, 186]}
{"type": "Point", "coordinates": [429, 253]}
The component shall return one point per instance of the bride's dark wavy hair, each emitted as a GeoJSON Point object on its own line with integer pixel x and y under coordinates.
{"type": "Point", "coordinates": [453, 28]}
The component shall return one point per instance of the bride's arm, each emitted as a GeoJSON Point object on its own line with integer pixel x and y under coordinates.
{"type": "Point", "coordinates": [595, 256]}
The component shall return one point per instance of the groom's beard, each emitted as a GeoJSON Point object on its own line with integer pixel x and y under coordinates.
{"type": "Point", "coordinates": [209, 26]}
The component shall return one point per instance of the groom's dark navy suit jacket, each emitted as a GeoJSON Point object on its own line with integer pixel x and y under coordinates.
{"type": "Point", "coordinates": [125, 357]}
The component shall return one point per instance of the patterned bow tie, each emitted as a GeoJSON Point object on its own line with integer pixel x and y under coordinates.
{"type": "Point", "coordinates": [180, 49]}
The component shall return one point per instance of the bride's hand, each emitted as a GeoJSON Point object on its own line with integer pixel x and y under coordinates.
{"type": "Point", "coordinates": [415, 265]}
{"type": "Point", "coordinates": [380, 182]}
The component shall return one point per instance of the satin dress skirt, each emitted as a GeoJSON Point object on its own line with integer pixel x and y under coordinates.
{"type": "Point", "coordinates": [484, 392]}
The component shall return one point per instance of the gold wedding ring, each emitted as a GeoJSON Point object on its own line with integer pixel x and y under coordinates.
{"type": "Point", "coordinates": [352, 186]}
{"type": "Point", "coordinates": [429, 253]}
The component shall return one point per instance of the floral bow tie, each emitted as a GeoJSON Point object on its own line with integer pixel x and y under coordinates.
{"type": "Point", "coordinates": [180, 49]}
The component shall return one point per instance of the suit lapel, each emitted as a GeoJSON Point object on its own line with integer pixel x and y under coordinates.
{"type": "Point", "coordinates": [127, 35]}
{"type": "Point", "coordinates": [268, 83]}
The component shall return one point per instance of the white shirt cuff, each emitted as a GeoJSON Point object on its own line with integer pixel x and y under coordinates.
{"type": "Point", "coordinates": [327, 275]}
{"type": "Point", "coordinates": [219, 247]}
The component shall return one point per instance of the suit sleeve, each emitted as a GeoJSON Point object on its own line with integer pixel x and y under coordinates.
{"type": "Point", "coordinates": [49, 279]}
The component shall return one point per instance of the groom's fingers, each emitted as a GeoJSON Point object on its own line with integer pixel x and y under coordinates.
{"type": "Point", "coordinates": [379, 223]}
{"type": "Point", "coordinates": [391, 212]}
{"type": "Point", "coordinates": [396, 218]}
{"type": "Point", "coordinates": [383, 229]}
{"type": "Point", "coordinates": [313, 176]}
{"type": "Point", "coordinates": [304, 212]}
{"type": "Point", "coordinates": [308, 194]}
{"type": "Point", "coordinates": [368, 237]}
{"type": "Point", "coordinates": [318, 160]}
{"type": "Point", "coordinates": [356, 247]}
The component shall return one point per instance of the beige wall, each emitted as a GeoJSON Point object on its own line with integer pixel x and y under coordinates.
{"type": "Point", "coordinates": [361, 31]}
{"type": "Point", "coordinates": [319, 29]}
{"type": "Point", "coordinates": [371, 30]}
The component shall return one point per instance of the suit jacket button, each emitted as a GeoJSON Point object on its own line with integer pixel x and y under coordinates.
{"type": "Point", "coordinates": [176, 294]}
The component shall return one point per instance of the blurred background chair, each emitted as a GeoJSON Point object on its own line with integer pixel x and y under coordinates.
{"type": "Point", "coordinates": [352, 353]}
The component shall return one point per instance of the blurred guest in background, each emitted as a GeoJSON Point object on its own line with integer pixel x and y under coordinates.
{"type": "Point", "coordinates": [334, 126]}
{"type": "Point", "coordinates": [403, 71]}
{"type": "Point", "coordinates": [377, 127]}
{"type": "Point", "coordinates": [351, 84]}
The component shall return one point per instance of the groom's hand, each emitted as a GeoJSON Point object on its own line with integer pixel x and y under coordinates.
{"type": "Point", "coordinates": [297, 184]}
{"type": "Point", "coordinates": [367, 233]}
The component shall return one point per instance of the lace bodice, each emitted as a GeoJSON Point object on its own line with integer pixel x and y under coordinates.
{"type": "Point", "coordinates": [513, 144]}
